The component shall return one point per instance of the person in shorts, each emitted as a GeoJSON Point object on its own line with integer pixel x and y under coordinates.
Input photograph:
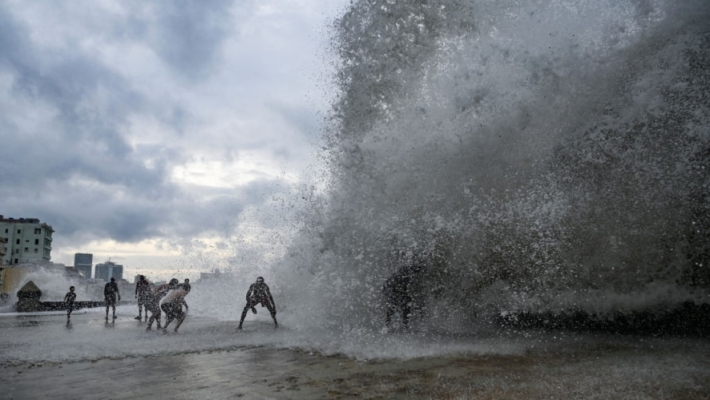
{"type": "Point", "coordinates": [398, 293]}
{"type": "Point", "coordinates": [110, 294]}
{"type": "Point", "coordinates": [69, 302]}
{"type": "Point", "coordinates": [172, 306]}
{"type": "Point", "coordinates": [143, 296]}
{"type": "Point", "coordinates": [153, 304]}
{"type": "Point", "coordinates": [259, 293]}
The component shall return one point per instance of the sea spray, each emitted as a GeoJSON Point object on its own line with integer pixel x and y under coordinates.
{"type": "Point", "coordinates": [537, 157]}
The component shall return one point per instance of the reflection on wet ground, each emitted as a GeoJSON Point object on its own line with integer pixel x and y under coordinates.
{"type": "Point", "coordinates": [23, 324]}
{"type": "Point", "coordinates": [211, 361]}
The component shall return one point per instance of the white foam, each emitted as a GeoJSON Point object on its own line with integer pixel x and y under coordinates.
{"type": "Point", "coordinates": [536, 152]}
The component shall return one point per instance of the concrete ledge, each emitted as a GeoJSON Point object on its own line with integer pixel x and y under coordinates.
{"type": "Point", "coordinates": [686, 319]}
{"type": "Point", "coordinates": [78, 305]}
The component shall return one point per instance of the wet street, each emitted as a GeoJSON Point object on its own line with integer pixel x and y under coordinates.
{"type": "Point", "coordinates": [43, 358]}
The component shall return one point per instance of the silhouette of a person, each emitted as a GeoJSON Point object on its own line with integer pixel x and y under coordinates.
{"type": "Point", "coordinates": [259, 293]}
{"type": "Point", "coordinates": [69, 302]}
{"type": "Point", "coordinates": [143, 296]}
{"type": "Point", "coordinates": [172, 306]}
{"type": "Point", "coordinates": [110, 293]}
{"type": "Point", "coordinates": [398, 290]}
{"type": "Point", "coordinates": [153, 304]}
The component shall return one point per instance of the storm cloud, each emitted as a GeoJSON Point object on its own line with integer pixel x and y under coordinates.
{"type": "Point", "coordinates": [166, 120]}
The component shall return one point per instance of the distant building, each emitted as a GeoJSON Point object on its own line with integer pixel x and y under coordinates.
{"type": "Point", "coordinates": [210, 276]}
{"type": "Point", "coordinates": [109, 270]}
{"type": "Point", "coordinates": [28, 240]}
{"type": "Point", "coordinates": [83, 263]}
{"type": "Point", "coordinates": [3, 249]}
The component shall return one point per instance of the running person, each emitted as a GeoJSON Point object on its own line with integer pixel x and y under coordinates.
{"type": "Point", "coordinates": [259, 293]}
{"type": "Point", "coordinates": [110, 293]}
{"type": "Point", "coordinates": [143, 296]}
{"type": "Point", "coordinates": [69, 302]}
{"type": "Point", "coordinates": [172, 306]}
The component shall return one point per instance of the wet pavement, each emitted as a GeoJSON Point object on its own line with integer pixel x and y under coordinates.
{"type": "Point", "coordinates": [40, 357]}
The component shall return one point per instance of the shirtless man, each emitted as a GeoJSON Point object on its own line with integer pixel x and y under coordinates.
{"type": "Point", "coordinates": [110, 293]}
{"type": "Point", "coordinates": [69, 302]}
{"type": "Point", "coordinates": [143, 296]}
{"type": "Point", "coordinates": [172, 306]}
{"type": "Point", "coordinates": [259, 293]}
{"type": "Point", "coordinates": [398, 292]}
{"type": "Point", "coordinates": [153, 304]}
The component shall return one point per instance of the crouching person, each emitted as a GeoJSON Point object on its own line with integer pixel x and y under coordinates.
{"type": "Point", "coordinates": [259, 293]}
{"type": "Point", "coordinates": [172, 306]}
{"type": "Point", "coordinates": [153, 304]}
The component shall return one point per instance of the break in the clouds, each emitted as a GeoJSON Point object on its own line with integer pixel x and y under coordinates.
{"type": "Point", "coordinates": [128, 122]}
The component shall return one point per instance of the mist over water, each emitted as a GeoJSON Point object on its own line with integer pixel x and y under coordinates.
{"type": "Point", "coordinates": [537, 157]}
{"type": "Point", "coordinates": [53, 283]}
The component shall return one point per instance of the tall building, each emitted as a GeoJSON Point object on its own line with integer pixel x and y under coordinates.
{"type": "Point", "coordinates": [83, 263]}
{"type": "Point", "coordinates": [28, 240]}
{"type": "Point", "coordinates": [109, 270]}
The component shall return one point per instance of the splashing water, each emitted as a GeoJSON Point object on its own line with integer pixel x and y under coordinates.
{"type": "Point", "coordinates": [540, 157]}
{"type": "Point", "coordinates": [52, 281]}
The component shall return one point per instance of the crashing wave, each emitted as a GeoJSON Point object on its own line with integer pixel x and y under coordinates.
{"type": "Point", "coordinates": [536, 157]}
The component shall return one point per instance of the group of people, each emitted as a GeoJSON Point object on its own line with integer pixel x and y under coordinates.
{"type": "Point", "coordinates": [397, 291]}
{"type": "Point", "coordinates": [172, 295]}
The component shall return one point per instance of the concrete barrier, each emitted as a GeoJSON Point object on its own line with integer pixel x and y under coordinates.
{"type": "Point", "coordinates": [78, 305]}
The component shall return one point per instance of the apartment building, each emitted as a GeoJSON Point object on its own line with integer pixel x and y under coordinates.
{"type": "Point", "coordinates": [28, 240]}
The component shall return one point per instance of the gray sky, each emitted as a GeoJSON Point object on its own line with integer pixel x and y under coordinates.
{"type": "Point", "coordinates": [160, 133]}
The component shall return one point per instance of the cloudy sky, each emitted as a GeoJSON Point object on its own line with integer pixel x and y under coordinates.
{"type": "Point", "coordinates": [163, 134]}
